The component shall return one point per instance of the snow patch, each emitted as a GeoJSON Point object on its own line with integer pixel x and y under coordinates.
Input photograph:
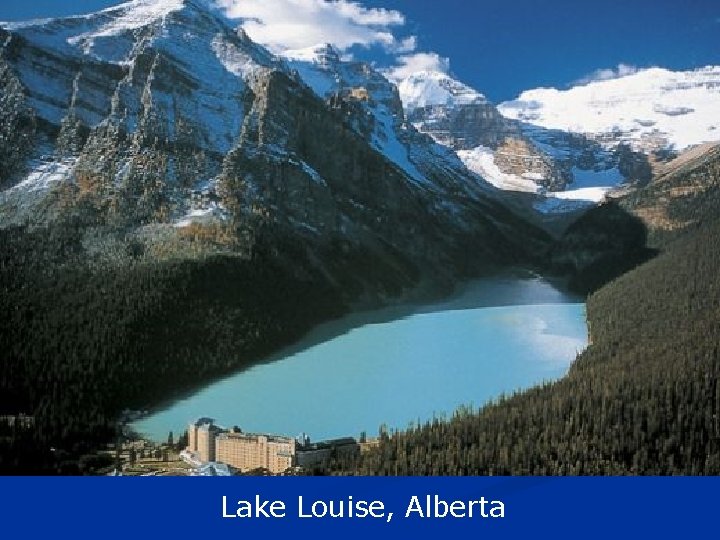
{"type": "Point", "coordinates": [199, 215]}
{"type": "Point", "coordinates": [313, 174]}
{"type": "Point", "coordinates": [590, 194]}
{"type": "Point", "coordinates": [307, 169]}
{"type": "Point", "coordinates": [44, 174]}
{"type": "Point", "coordinates": [588, 189]}
{"type": "Point", "coordinates": [481, 160]}
{"type": "Point", "coordinates": [235, 60]}
{"type": "Point", "coordinates": [555, 205]}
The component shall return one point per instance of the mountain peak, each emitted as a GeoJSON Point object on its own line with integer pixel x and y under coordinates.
{"type": "Point", "coordinates": [322, 53]}
{"type": "Point", "coordinates": [426, 88]}
{"type": "Point", "coordinates": [90, 34]}
{"type": "Point", "coordinates": [134, 13]}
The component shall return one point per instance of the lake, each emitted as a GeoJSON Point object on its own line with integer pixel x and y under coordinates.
{"type": "Point", "coordinates": [397, 365]}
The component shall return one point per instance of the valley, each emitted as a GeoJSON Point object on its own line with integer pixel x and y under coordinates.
{"type": "Point", "coordinates": [182, 208]}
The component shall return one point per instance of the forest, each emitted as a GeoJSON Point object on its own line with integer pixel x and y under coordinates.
{"type": "Point", "coordinates": [81, 345]}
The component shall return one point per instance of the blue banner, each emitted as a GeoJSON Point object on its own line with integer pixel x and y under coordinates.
{"type": "Point", "coordinates": [518, 507]}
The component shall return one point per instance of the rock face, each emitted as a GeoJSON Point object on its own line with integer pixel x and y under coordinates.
{"type": "Point", "coordinates": [17, 123]}
{"type": "Point", "coordinates": [464, 127]}
{"type": "Point", "coordinates": [519, 157]}
{"type": "Point", "coordinates": [160, 116]}
{"type": "Point", "coordinates": [489, 144]}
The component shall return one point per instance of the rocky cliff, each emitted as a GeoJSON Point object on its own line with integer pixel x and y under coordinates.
{"type": "Point", "coordinates": [489, 144]}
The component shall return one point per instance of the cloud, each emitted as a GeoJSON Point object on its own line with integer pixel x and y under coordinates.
{"type": "Point", "coordinates": [621, 70]}
{"type": "Point", "coordinates": [408, 64]}
{"type": "Point", "coordinates": [407, 45]}
{"type": "Point", "coordinates": [294, 24]}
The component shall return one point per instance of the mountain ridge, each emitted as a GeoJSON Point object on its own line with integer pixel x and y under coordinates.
{"type": "Point", "coordinates": [525, 145]}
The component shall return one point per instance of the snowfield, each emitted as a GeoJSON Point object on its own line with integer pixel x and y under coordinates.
{"type": "Point", "coordinates": [681, 107]}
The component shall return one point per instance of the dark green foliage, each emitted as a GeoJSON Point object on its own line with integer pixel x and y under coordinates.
{"type": "Point", "coordinates": [644, 398]}
{"type": "Point", "coordinates": [604, 243]}
{"type": "Point", "coordinates": [79, 346]}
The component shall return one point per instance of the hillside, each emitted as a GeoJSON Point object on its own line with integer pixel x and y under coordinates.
{"type": "Point", "coordinates": [683, 196]}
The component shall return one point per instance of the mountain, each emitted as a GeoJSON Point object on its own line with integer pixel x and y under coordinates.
{"type": "Point", "coordinates": [435, 88]}
{"type": "Point", "coordinates": [618, 130]}
{"type": "Point", "coordinates": [113, 94]}
{"type": "Point", "coordinates": [489, 144]}
{"type": "Point", "coordinates": [373, 105]}
{"type": "Point", "coordinates": [653, 110]}
{"type": "Point", "coordinates": [161, 116]}
{"type": "Point", "coordinates": [572, 147]}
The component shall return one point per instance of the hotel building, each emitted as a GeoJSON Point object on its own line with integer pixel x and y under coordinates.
{"type": "Point", "coordinates": [248, 451]}
{"type": "Point", "coordinates": [201, 438]}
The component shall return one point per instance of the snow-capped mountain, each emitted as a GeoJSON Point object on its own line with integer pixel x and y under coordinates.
{"type": "Point", "coordinates": [489, 144]}
{"type": "Point", "coordinates": [576, 145]}
{"type": "Point", "coordinates": [650, 110]}
{"type": "Point", "coordinates": [374, 106]}
{"type": "Point", "coordinates": [427, 88]}
{"type": "Point", "coordinates": [162, 115]}
{"type": "Point", "coordinates": [96, 63]}
{"type": "Point", "coordinates": [451, 112]}
{"type": "Point", "coordinates": [612, 131]}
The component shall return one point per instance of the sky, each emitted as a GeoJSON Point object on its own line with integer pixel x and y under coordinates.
{"type": "Point", "coordinates": [499, 47]}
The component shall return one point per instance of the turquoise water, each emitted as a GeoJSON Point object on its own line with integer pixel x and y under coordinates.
{"type": "Point", "coordinates": [397, 365]}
